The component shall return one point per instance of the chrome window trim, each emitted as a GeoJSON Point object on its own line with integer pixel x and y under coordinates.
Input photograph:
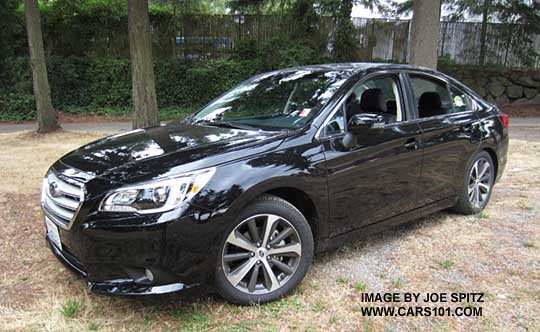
{"type": "Point", "coordinates": [407, 71]}
{"type": "Point", "coordinates": [441, 116]}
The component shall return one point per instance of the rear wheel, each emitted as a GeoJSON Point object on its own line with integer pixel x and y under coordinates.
{"type": "Point", "coordinates": [478, 184]}
{"type": "Point", "coordinates": [266, 254]}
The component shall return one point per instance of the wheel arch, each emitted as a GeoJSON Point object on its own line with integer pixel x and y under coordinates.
{"type": "Point", "coordinates": [297, 194]}
{"type": "Point", "coordinates": [495, 159]}
{"type": "Point", "coordinates": [303, 202]}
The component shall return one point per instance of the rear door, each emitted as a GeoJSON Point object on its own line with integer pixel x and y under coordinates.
{"type": "Point", "coordinates": [450, 136]}
{"type": "Point", "coordinates": [377, 177]}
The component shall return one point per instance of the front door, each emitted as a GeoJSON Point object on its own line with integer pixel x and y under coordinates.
{"type": "Point", "coordinates": [375, 177]}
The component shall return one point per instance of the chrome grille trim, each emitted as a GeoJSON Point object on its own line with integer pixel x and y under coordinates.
{"type": "Point", "coordinates": [63, 205]}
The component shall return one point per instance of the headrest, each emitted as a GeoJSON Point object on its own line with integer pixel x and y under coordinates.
{"type": "Point", "coordinates": [372, 101]}
{"type": "Point", "coordinates": [429, 104]}
{"type": "Point", "coordinates": [353, 106]}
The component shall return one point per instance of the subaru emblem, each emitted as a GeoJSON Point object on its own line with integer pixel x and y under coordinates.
{"type": "Point", "coordinates": [53, 189]}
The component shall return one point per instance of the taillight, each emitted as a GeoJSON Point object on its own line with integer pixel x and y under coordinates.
{"type": "Point", "coordinates": [505, 119]}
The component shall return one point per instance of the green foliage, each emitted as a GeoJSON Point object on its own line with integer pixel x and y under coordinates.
{"type": "Point", "coordinates": [170, 113]}
{"type": "Point", "coordinates": [483, 215]}
{"type": "Point", "coordinates": [93, 326]}
{"type": "Point", "coordinates": [10, 27]}
{"type": "Point", "coordinates": [109, 83]}
{"type": "Point", "coordinates": [81, 27]}
{"type": "Point", "coordinates": [397, 283]}
{"type": "Point", "coordinates": [87, 49]}
{"type": "Point", "coordinates": [17, 106]}
{"type": "Point", "coordinates": [191, 84]}
{"type": "Point", "coordinates": [247, 6]}
{"type": "Point", "coordinates": [448, 66]}
{"type": "Point", "coordinates": [528, 244]}
{"type": "Point", "coordinates": [11, 33]}
{"type": "Point", "coordinates": [318, 306]}
{"type": "Point", "coordinates": [345, 43]}
{"type": "Point", "coordinates": [103, 85]}
{"type": "Point", "coordinates": [517, 19]}
{"type": "Point", "coordinates": [445, 264]}
{"type": "Point", "coordinates": [282, 53]}
{"type": "Point", "coordinates": [17, 102]}
{"type": "Point", "coordinates": [71, 308]}
{"type": "Point", "coordinates": [246, 49]}
{"type": "Point", "coordinates": [192, 320]}
{"type": "Point", "coordinates": [360, 286]}
{"type": "Point", "coordinates": [343, 281]}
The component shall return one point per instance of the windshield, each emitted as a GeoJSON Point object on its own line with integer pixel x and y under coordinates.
{"type": "Point", "coordinates": [283, 100]}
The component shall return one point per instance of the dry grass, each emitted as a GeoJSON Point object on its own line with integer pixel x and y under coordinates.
{"type": "Point", "coordinates": [496, 253]}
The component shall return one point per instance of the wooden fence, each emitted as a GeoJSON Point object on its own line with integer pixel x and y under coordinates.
{"type": "Point", "coordinates": [379, 39]}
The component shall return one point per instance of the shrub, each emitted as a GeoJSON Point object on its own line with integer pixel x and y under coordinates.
{"type": "Point", "coordinates": [17, 107]}
{"type": "Point", "coordinates": [69, 81]}
{"type": "Point", "coordinates": [103, 85]}
{"type": "Point", "coordinates": [281, 53]}
{"type": "Point", "coordinates": [109, 83]}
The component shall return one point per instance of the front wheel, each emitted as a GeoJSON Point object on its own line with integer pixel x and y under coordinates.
{"type": "Point", "coordinates": [478, 184]}
{"type": "Point", "coordinates": [266, 253]}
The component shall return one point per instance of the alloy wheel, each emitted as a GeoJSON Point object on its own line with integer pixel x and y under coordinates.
{"type": "Point", "coordinates": [261, 254]}
{"type": "Point", "coordinates": [480, 182]}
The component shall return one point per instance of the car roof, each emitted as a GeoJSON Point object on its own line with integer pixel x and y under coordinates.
{"type": "Point", "coordinates": [355, 67]}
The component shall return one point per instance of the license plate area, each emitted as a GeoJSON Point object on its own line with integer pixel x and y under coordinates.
{"type": "Point", "coordinates": [53, 233]}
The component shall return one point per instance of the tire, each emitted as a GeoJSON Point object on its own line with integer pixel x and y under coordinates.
{"type": "Point", "coordinates": [472, 204]}
{"type": "Point", "coordinates": [287, 254]}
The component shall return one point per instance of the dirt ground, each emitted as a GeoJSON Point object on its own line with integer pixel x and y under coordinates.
{"type": "Point", "coordinates": [496, 252]}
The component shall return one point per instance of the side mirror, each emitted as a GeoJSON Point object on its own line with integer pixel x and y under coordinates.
{"type": "Point", "coordinates": [366, 123]}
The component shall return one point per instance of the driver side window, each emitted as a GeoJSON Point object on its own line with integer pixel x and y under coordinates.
{"type": "Point", "coordinates": [380, 96]}
{"type": "Point", "coordinates": [376, 96]}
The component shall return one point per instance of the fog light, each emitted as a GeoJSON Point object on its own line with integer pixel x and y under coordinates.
{"type": "Point", "coordinates": [149, 274]}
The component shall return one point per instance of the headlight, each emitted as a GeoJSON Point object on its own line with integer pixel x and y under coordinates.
{"type": "Point", "coordinates": [157, 196]}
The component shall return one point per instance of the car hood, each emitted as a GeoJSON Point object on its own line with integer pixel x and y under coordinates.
{"type": "Point", "coordinates": [167, 150]}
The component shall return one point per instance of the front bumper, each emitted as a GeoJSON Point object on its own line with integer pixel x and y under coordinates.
{"type": "Point", "coordinates": [116, 287]}
{"type": "Point", "coordinates": [117, 252]}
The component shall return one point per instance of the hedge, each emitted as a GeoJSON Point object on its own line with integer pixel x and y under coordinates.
{"type": "Point", "coordinates": [103, 85]}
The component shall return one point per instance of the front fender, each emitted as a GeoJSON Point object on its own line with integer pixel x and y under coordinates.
{"type": "Point", "coordinates": [235, 185]}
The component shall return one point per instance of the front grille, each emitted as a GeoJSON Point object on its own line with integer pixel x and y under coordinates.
{"type": "Point", "coordinates": [61, 199]}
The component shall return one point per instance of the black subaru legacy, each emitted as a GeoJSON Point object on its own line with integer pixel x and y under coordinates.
{"type": "Point", "coordinates": [240, 195]}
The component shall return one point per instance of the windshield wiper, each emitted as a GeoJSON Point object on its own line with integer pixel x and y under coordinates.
{"type": "Point", "coordinates": [225, 124]}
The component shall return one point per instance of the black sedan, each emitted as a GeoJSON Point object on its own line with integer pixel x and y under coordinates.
{"type": "Point", "coordinates": [240, 195]}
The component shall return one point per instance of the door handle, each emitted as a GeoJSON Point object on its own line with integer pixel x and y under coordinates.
{"type": "Point", "coordinates": [411, 144]}
{"type": "Point", "coordinates": [468, 128]}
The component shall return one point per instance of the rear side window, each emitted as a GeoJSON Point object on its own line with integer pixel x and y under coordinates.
{"type": "Point", "coordinates": [431, 96]}
{"type": "Point", "coordinates": [461, 101]}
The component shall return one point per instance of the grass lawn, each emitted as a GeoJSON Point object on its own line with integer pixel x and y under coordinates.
{"type": "Point", "coordinates": [496, 252]}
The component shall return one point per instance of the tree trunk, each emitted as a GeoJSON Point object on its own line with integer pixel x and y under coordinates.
{"type": "Point", "coordinates": [483, 32]}
{"type": "Point", "coordinates": [142, 69]}
{"type": "Point", "coordinates": [46, 115]}
{"type": "Point", "coordinates": [425, 33]}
